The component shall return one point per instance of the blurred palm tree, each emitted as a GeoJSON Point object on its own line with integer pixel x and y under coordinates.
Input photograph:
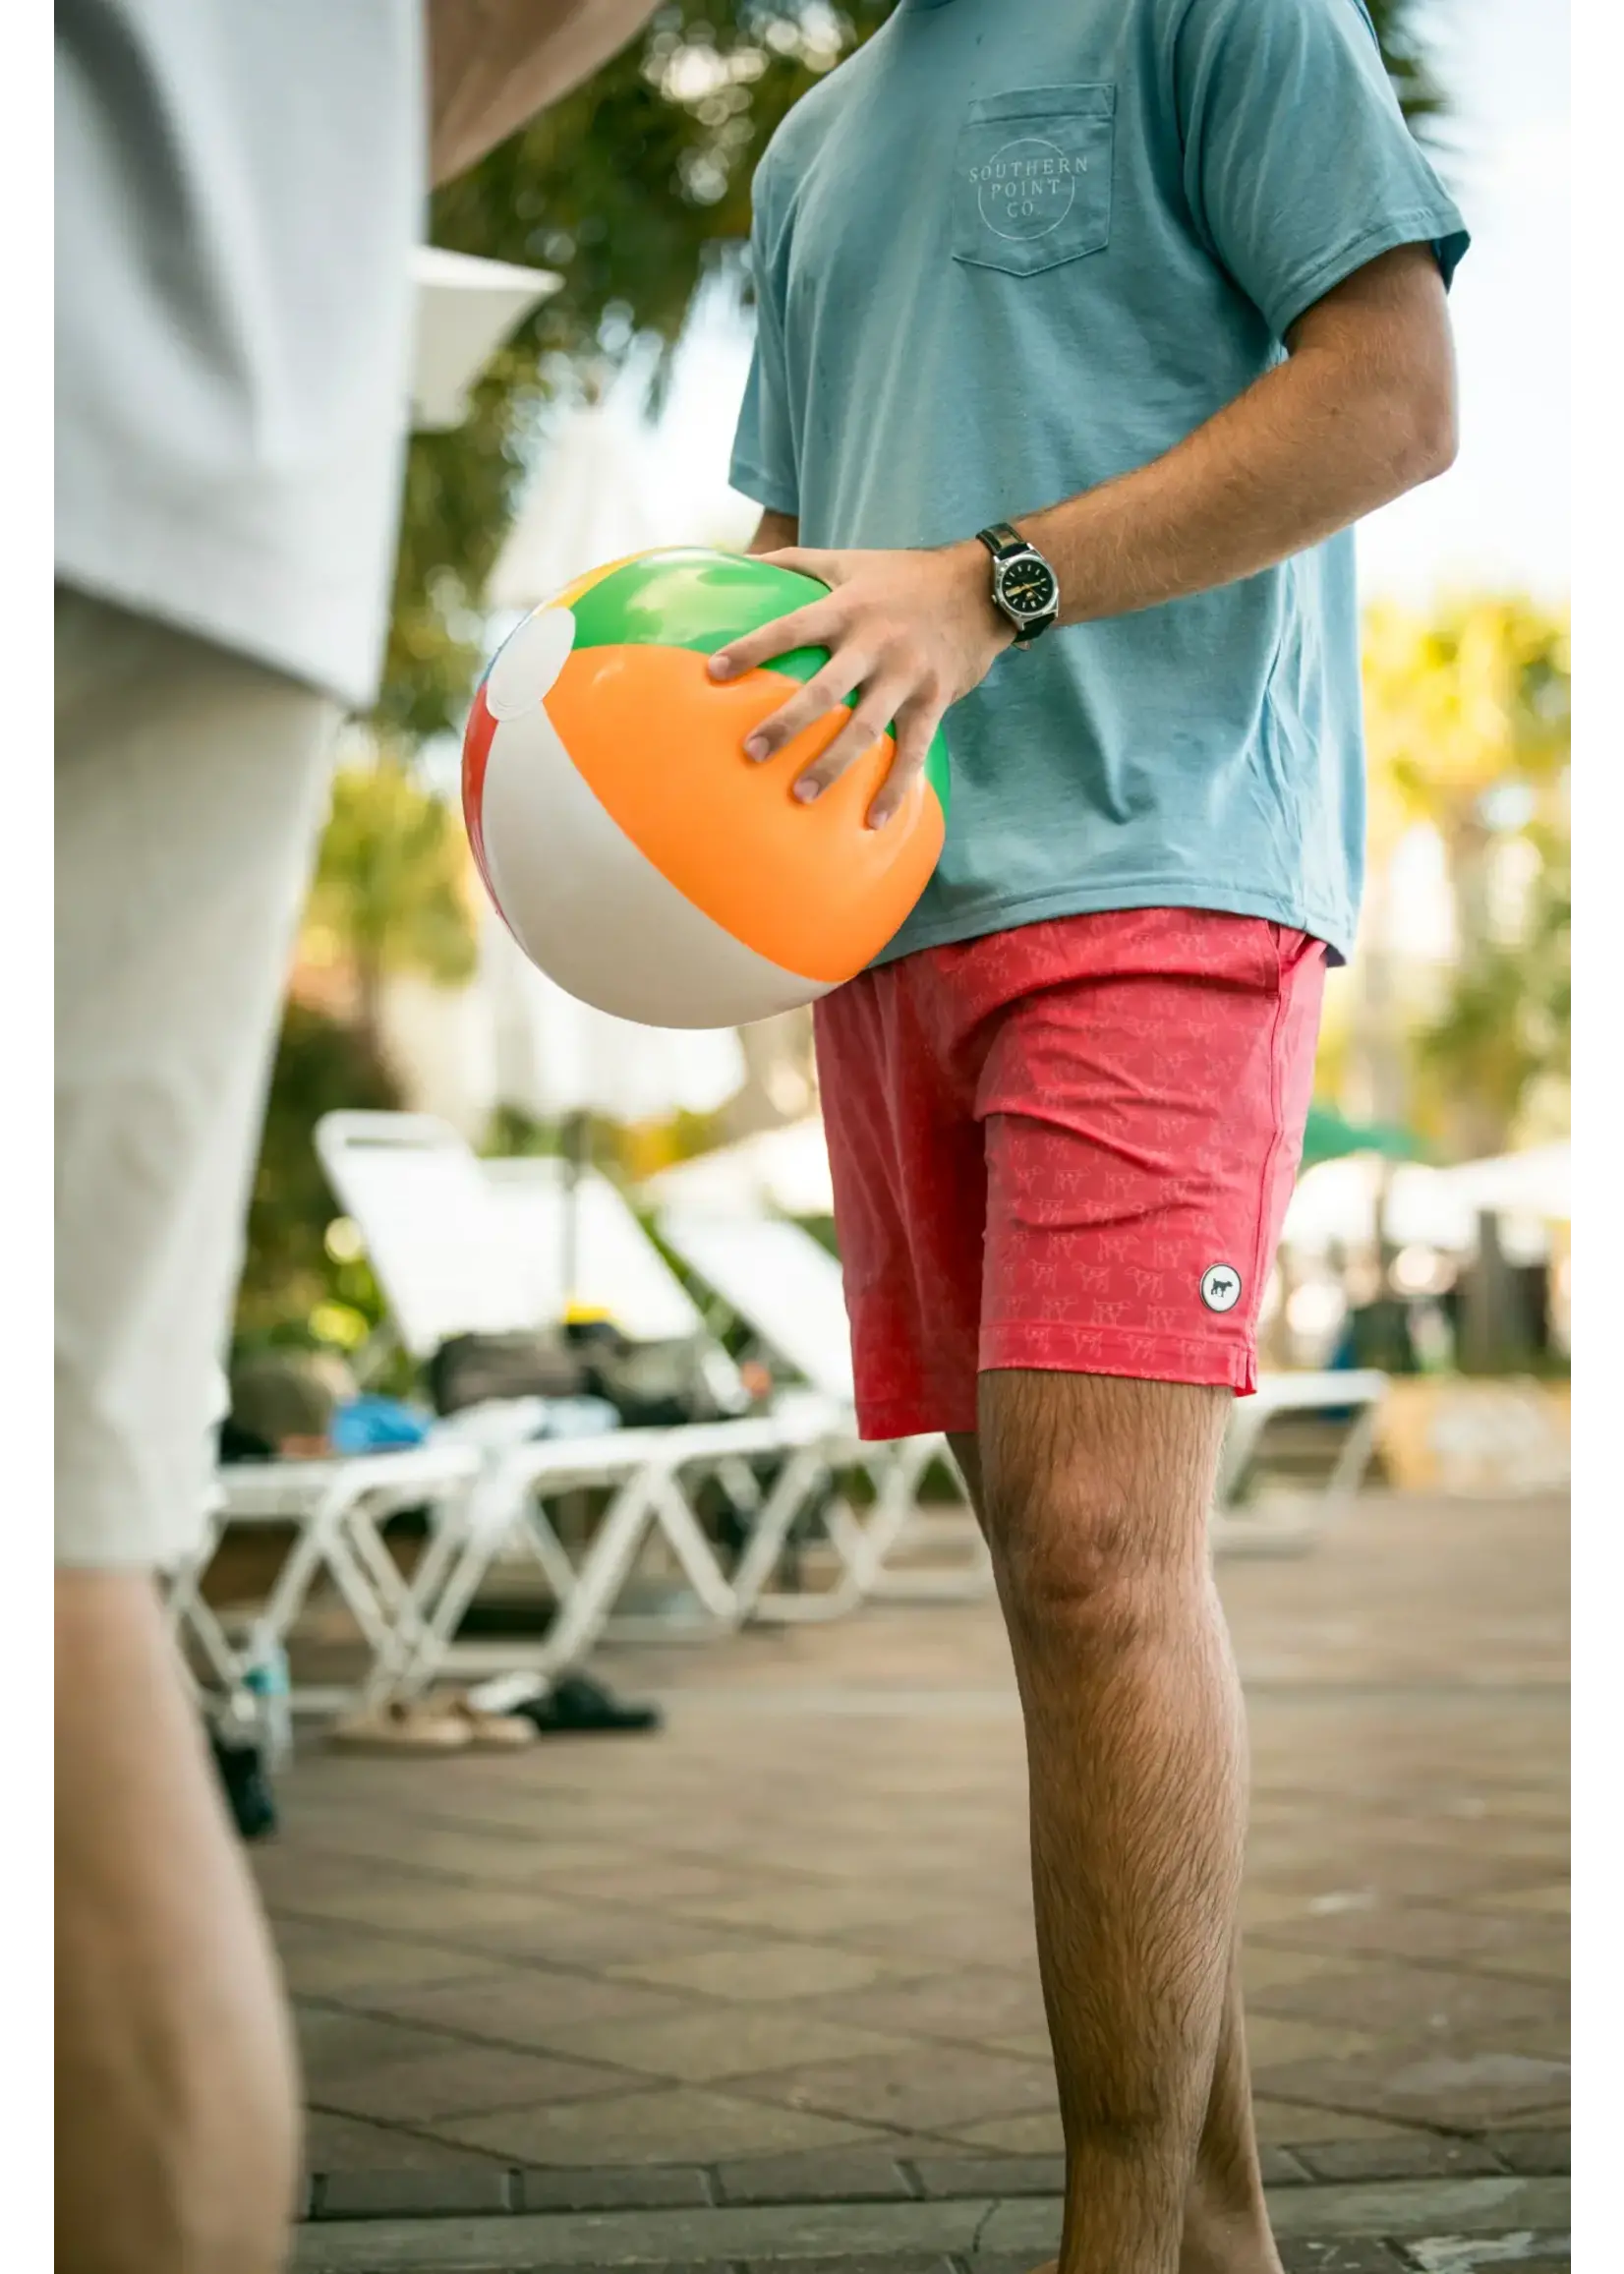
{"type": "Point", "coordinates": [391, 893]}
{"type": "Point", "coordinates": [1494, 1067]}
{"type": "Point", "coordinates": [1468, 730]}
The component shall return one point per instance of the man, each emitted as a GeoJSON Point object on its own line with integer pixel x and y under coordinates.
{"type": "Point", "coordinates": [1092, 330]}
{"type": "Point", "coordinates": [239, 190]}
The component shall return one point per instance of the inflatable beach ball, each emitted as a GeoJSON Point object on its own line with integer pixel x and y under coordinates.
{"type": "Point", "coordinates": [634, 853]}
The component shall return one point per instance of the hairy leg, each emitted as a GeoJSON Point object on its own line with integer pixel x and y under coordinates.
{"type": "Point", "coordinates": [1095, 1493]}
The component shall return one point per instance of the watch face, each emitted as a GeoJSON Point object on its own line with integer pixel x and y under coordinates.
{"type": "Point", "coordinates": [1028, 587]}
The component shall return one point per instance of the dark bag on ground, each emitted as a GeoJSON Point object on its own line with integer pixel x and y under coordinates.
{"type": "Point", "coordinates": [658, 1385]}
{"type": "Point", "coordinates": [468, 1369]}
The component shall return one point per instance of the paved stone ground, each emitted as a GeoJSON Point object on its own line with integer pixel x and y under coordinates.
{"type": "Point", "coordinates": [769, 1974]}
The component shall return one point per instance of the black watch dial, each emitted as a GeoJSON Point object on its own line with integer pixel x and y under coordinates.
{"type": "Point", "coordinates": [1027, 587]}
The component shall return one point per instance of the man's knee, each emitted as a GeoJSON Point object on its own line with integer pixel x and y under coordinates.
{"type": "Point", "coordinates": [1095, 1492]}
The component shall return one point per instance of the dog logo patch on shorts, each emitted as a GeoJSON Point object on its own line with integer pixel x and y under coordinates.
{"type": "Point", "coordinates": [1220, 1287]}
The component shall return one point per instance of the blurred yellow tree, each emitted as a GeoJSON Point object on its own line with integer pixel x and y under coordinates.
{"type": "Point", "coordinates": [391, 890]}
{"type": "Point", "coordinates": [1468, 730]}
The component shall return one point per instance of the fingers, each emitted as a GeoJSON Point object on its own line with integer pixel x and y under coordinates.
{"type": "Point", "coordinates": [882, 658]}
{"type": "Point", "coordinates": [869, 720]}
{"type": "Point", "coordinates": [817, 625]}
{"type": "Point", "coordinates": [824, 692]}
{"type": "Point", "coordinates": [917, 725]}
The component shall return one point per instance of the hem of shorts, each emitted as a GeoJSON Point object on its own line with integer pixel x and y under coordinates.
{"type": "Point", "coordinates": [1050, 1347]}
{"type": "Point", "coordinates": [894, 1418]}
{"type": "Point", "coordinates": [1123, 1355]}
{"type": "Point", "coordinates": [153, 574]}
{"type": "Point", "coordinates": [1118, 896]}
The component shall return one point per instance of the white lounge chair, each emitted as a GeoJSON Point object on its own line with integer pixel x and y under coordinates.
{"type": "Point", "coordinates": [615, 1269]}
{"type": "Point", "coordinates": [1276, 1524]}
{"type": "Point", "coordinates": [451, 1255]}
{"type": "Point", "coordinates": [778, 1279]}
{"type": "Point", "coordinates": [337, 1509]}
{"type": "Point", "coordinates": [786, 1287]}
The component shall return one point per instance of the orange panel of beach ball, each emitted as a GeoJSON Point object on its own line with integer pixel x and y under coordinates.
{"type": "Point", "coordinates": [635, 854]}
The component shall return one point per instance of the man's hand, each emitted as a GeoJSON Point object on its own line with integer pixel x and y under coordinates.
{"type": "Point", "coordinates": [907, 632]}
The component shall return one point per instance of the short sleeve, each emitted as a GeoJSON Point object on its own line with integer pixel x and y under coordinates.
{"type": "Point", "coordinates": [1298, 166]}
{"type": "Point", "coordinates": [764, 444]}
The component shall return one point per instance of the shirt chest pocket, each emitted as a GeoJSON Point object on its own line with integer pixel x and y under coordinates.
{"type": "Point", "coordinates": [1032, 178]}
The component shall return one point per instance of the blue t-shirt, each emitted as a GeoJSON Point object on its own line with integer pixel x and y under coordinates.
{"type": "Point", "coordinates": [1003, 255]}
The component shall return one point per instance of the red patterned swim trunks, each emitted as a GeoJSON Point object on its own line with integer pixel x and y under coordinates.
{"type": "Point", "coordinates": [1067, 1146]}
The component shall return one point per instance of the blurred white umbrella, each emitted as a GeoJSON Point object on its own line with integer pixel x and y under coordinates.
{"type": "Point", "coordinates": [1536, 1183]}
{"type": "Point", "coordinates": [782, 1171]}
{"type": "Point", "coordinates": [560, 1062]}
{"type": "Point", "coordinates": [556, 1058]}
{"type": "Point", "coordinates": [591, 502]}
{"type": "Point", "coordinates": [1335, 1205]}
{"type": "Point", "coordinates": [465, 310]}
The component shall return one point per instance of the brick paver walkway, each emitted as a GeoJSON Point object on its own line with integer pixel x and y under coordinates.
{"type": "Point", "coordinates": [783, 1950]}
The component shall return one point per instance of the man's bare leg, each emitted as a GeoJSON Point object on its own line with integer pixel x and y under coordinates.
{"type": "Point", "coordinates": [177, 2105]}
{"type": "Point", "coordinates": [1226, 2218]}
{"type": "Point", "coordinates": [1095, 1493]}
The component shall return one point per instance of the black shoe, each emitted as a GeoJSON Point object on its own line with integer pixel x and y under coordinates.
{"type": "Point", "coordinates": [576, 1704]}
{"type": "Point", "coordinates": [242, 1770]}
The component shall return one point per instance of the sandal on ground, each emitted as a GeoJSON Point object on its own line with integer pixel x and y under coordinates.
{"type": "Point", "coordinates": [490, 1732]}
{"type": "Point", "coordinates": [401, 1727]}
{"type": "Point", "coordinates": [576, 1705]}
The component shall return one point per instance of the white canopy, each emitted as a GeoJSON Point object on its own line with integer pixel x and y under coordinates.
{"type": "Point", "coordinates": [1536, 1183]}
{"type": "Point", "coordinates": [555, 1057]}
{"type": "Point", "coordinates": [591, 502]}
{"type": "Point", "coordinates": [1335, 1203]}
{"type": "Point", "coordinates": [465, 310]}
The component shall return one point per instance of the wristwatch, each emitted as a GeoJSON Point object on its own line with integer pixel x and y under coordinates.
{"type": "Point", "coordinates": [1025, 589]}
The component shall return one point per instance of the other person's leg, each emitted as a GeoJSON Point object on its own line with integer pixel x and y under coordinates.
{"type": "Point", "coordinates": [188, 787]}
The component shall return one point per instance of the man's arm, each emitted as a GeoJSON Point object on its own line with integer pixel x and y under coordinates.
{"type": "Point", "coordinates": [494, 64]}
{"type": "Point", "coordinates": [1362, 410]}
{"type": "Point", "coordinates": [774, 532]}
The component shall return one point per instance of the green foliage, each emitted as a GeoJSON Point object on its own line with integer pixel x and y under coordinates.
{"type": "Point", "coordinates": [1398, 25]}
{"type": "Point", "coordinates": [1502, 1041]}
{"type": "Point", "coordinates": [292, 1288]}
{"type": "Point", "coordinates": [629, 1154]}
{"type": "Point", "coordinates": [514, 1134]}
{"type": "Point", "coordinates": [389, 892]}
{"type": "Point", "coordinates": [389, 897]}
{"type": "Point", "coordinates": [635, 189]}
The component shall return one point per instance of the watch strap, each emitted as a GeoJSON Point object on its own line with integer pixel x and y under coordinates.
{"type": "Point", "coordinates": [1000, 539]}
